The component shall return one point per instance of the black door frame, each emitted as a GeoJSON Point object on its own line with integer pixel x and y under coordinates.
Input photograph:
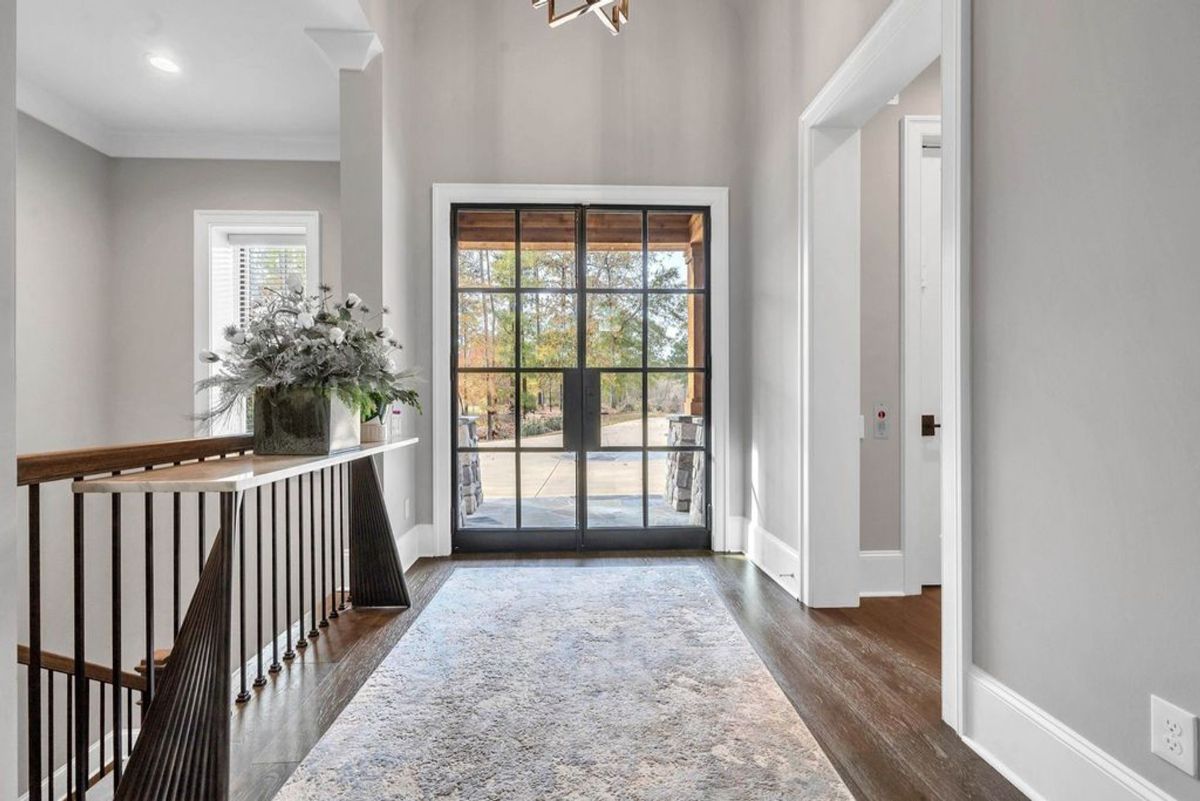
{"type": "Point", "coordinates": [582, 537]}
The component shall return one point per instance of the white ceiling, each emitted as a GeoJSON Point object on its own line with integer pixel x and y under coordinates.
{"type": "Point", "coordinates": [252, 85]}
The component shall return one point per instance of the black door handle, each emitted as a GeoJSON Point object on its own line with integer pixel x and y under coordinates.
{"type": "Point", "coordinates": [929, 426]}
{"type": "Point", "coordinates": [592, 408]}
{"type": "Point", "coordinates": [572, 409]}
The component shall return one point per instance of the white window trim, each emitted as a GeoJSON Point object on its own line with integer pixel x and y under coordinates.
{"type": "Point", "coordinates": [715, 198]}
{"type": "Point", "coordinates": [204, 223]}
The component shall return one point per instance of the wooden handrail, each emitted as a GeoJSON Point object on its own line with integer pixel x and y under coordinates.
{"type": "Point", "coordinates": [65, 665]}
{"type": "Point", "coordinates": [38, 468]}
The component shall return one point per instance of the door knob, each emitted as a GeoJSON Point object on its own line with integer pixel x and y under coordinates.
{"type": "Point", "coordinates": [929, 426]}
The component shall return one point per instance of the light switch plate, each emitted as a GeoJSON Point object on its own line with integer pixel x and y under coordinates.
{"type": "Point", "coordinates": [1173, 735]}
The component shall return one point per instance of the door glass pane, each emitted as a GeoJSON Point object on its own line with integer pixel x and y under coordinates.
{"type": "Point", "coordinates": [548, 249]}
{"type": "Point", "coordinates": [676, 330]}
{"type": "Point", "coordinates": [487, 490]}
{"type": "Point", "coordinates": [487, 249]}
{"type": "Point", "coordinates": [614, 330]}
{"type": "Point", "coordinates": [486, 329]}
{"type": "Point", "coordinates": [486, 410]}
{"type": "Point", "coordinates": [548, 490]}
{"type": "Point", "coordinates": [614, 250]}
{"type": "Point", "coordinates": [621, 410]}
{"type": "Point", "coordinates": [548, 326]}
{"type": "Point", "coordinates": [614, 482]}
{"type": "Point", "coordinates": [677, 253]}
{"type": "Point", "coordinates": [541, 410]}
{"type": "Point", "coordinates": [676, 488]}
{"type": "Point", "coordinates": [676, 413]}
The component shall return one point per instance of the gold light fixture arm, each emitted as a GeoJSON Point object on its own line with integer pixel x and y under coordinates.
{"type": "Point", "coordinates": [613, 13]}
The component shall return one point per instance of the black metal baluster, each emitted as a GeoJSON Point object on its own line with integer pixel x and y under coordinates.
{"type": "Point", "coordinates": [244, 695]}
{"type": "Point", "coordinates": [324, 550]}
{"type": "Point", "coordinates": [80, 729]}
{"type": "Point", "coordinates": [275, 667]}
{"type": "Point", "coordinates": [34, 670]}
{"type": "Point", "coordinates": [301, 641]}
{"type": "Point", "coordinates": [288, 654]}
{"type": "Point", "coordinates": [334, 472]}
{"type": "Point", "coordinates": [116, 635]}
{"type": "Point", "coordinates": [314, 632]}
{"type": "Point", "coordinates": [49, 737]}
{"type": "Point", "coordinates": [116, 703]}
{"type": "Point", "coordinates": [345, 527]}
{"type": "Point", "coordinates": [342, 489]}
{"type": "Point", "coordinates": [149, 548]}
{"type": "Point", "coordinates": [70, 738]}
{"type": "Point", "coordinates": [260, 679]}
{"type": "Point", "coordinates": [202, 526]}
{"type": "Point", "coordinates": [129, 719]}
{"type": "Point", "coordinates": [176, 535]}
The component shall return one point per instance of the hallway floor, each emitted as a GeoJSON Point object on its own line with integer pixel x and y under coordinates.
{"type": "Point", "coordinates": [865, 681]}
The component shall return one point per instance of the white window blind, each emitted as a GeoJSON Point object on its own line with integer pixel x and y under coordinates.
{"type": "Point", "coordinates": [265, 267]}
{"type": "Point", "coordinates": [244, 267]}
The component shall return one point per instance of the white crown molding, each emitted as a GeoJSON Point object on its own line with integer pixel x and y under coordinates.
{"type": "Point", "coordinates": [346, 50]}
{"type": "Point", "coordinates": [47, 107]}
{"type": "Point", "coordinates": [183, 145]}
{"type": "Point", "coordinates": [63, 116]}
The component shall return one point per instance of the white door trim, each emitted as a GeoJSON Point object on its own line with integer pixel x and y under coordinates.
{"type": "Point", "coordinates": [916, 131]}
{"type": "Point", "coordinates": [446, 195]}
{"type": "Point", "coordinates": [909, 35]}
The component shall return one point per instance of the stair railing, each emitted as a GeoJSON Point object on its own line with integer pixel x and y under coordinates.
{"type": "Point", "coordinates": [304, 521]}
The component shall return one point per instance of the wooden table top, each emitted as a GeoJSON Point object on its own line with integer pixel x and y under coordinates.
{"type": "Point", "coordinates": [233, 474]}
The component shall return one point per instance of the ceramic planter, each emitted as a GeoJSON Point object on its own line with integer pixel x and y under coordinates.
{"type": "Point", "coordinates": [297, 421]}
{"type": "Point", "coordinates": [375, 431]}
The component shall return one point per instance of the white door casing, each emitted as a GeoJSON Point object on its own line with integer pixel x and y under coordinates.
{"type": "Point", "coordinates": [907, 38]}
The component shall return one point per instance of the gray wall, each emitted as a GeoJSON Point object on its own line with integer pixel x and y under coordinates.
{"type": "Point", "coordinates": [65, 272]}
{"type": "Point", "coordinates": [793, 48]}
{"type": "Point", "coordinates": [478, 91]}
{"type": "Point", "coordinates": [8, 532]}
{"type": "Point", "coordinates": [117, 235]}
{"type": "Point", "coordinates": [1085, 297]}
{"type": "Point", "coordinates": [882, 297]}
{"type": "Point", "coordinates": [151, 293]}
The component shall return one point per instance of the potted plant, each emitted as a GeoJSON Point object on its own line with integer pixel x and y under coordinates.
{"type": "Point", "coordinates": [311, 369]}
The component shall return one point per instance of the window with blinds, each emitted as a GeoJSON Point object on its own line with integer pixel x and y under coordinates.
{"type": "Point", "coordinates": [263, 268]}
{"type": "Point", "coordinates": [243, 268]}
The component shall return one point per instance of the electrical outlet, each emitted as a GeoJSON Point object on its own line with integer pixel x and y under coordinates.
{"type": "Point", "coordinates": [408, 508]}
{"type": "Point", "coordinates": [1173, 735]}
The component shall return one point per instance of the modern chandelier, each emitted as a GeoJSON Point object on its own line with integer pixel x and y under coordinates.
{"type": "Point", "coordinates": [613, 13]}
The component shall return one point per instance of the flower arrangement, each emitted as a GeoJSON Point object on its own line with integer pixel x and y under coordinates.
{"type": "Point", "coordinates": [297, 341]}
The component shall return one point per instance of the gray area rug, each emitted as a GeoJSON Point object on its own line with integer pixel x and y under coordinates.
{"type": "Point", "coordinates": [571, 683]}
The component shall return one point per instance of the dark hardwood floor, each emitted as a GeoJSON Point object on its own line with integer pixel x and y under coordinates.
{"type": "Point", "coordinates": [865, 681]}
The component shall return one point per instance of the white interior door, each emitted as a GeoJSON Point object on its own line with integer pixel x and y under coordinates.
{"type": "Point", "coordinates": [922, 272]}
{"type": "Point", "coordinates": [929, 527]}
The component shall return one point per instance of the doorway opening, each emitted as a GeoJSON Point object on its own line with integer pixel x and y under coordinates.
{"type": "Point", "coordinates": [909, 36]}
{"type": "Point", "coordinates": [580, 377]}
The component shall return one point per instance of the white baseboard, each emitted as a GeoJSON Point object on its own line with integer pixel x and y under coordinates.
{"type": "Point", "coordinates": [770, 554]}
{"type": "Point", "coordinates": [1041, 755]}
{"type": "Point", "coordinates": [415, 543]}
{"type": "Point", "coordinates": [735, 534]}
{"type": "Point", "coordinates": [881, 573]}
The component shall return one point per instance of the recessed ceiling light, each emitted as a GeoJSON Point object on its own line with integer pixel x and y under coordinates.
{"type": "Point", "coordinates": [162, 63]}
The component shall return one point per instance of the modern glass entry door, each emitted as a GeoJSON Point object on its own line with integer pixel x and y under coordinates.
{"type": "Point", "coordinates": [581, 378]}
